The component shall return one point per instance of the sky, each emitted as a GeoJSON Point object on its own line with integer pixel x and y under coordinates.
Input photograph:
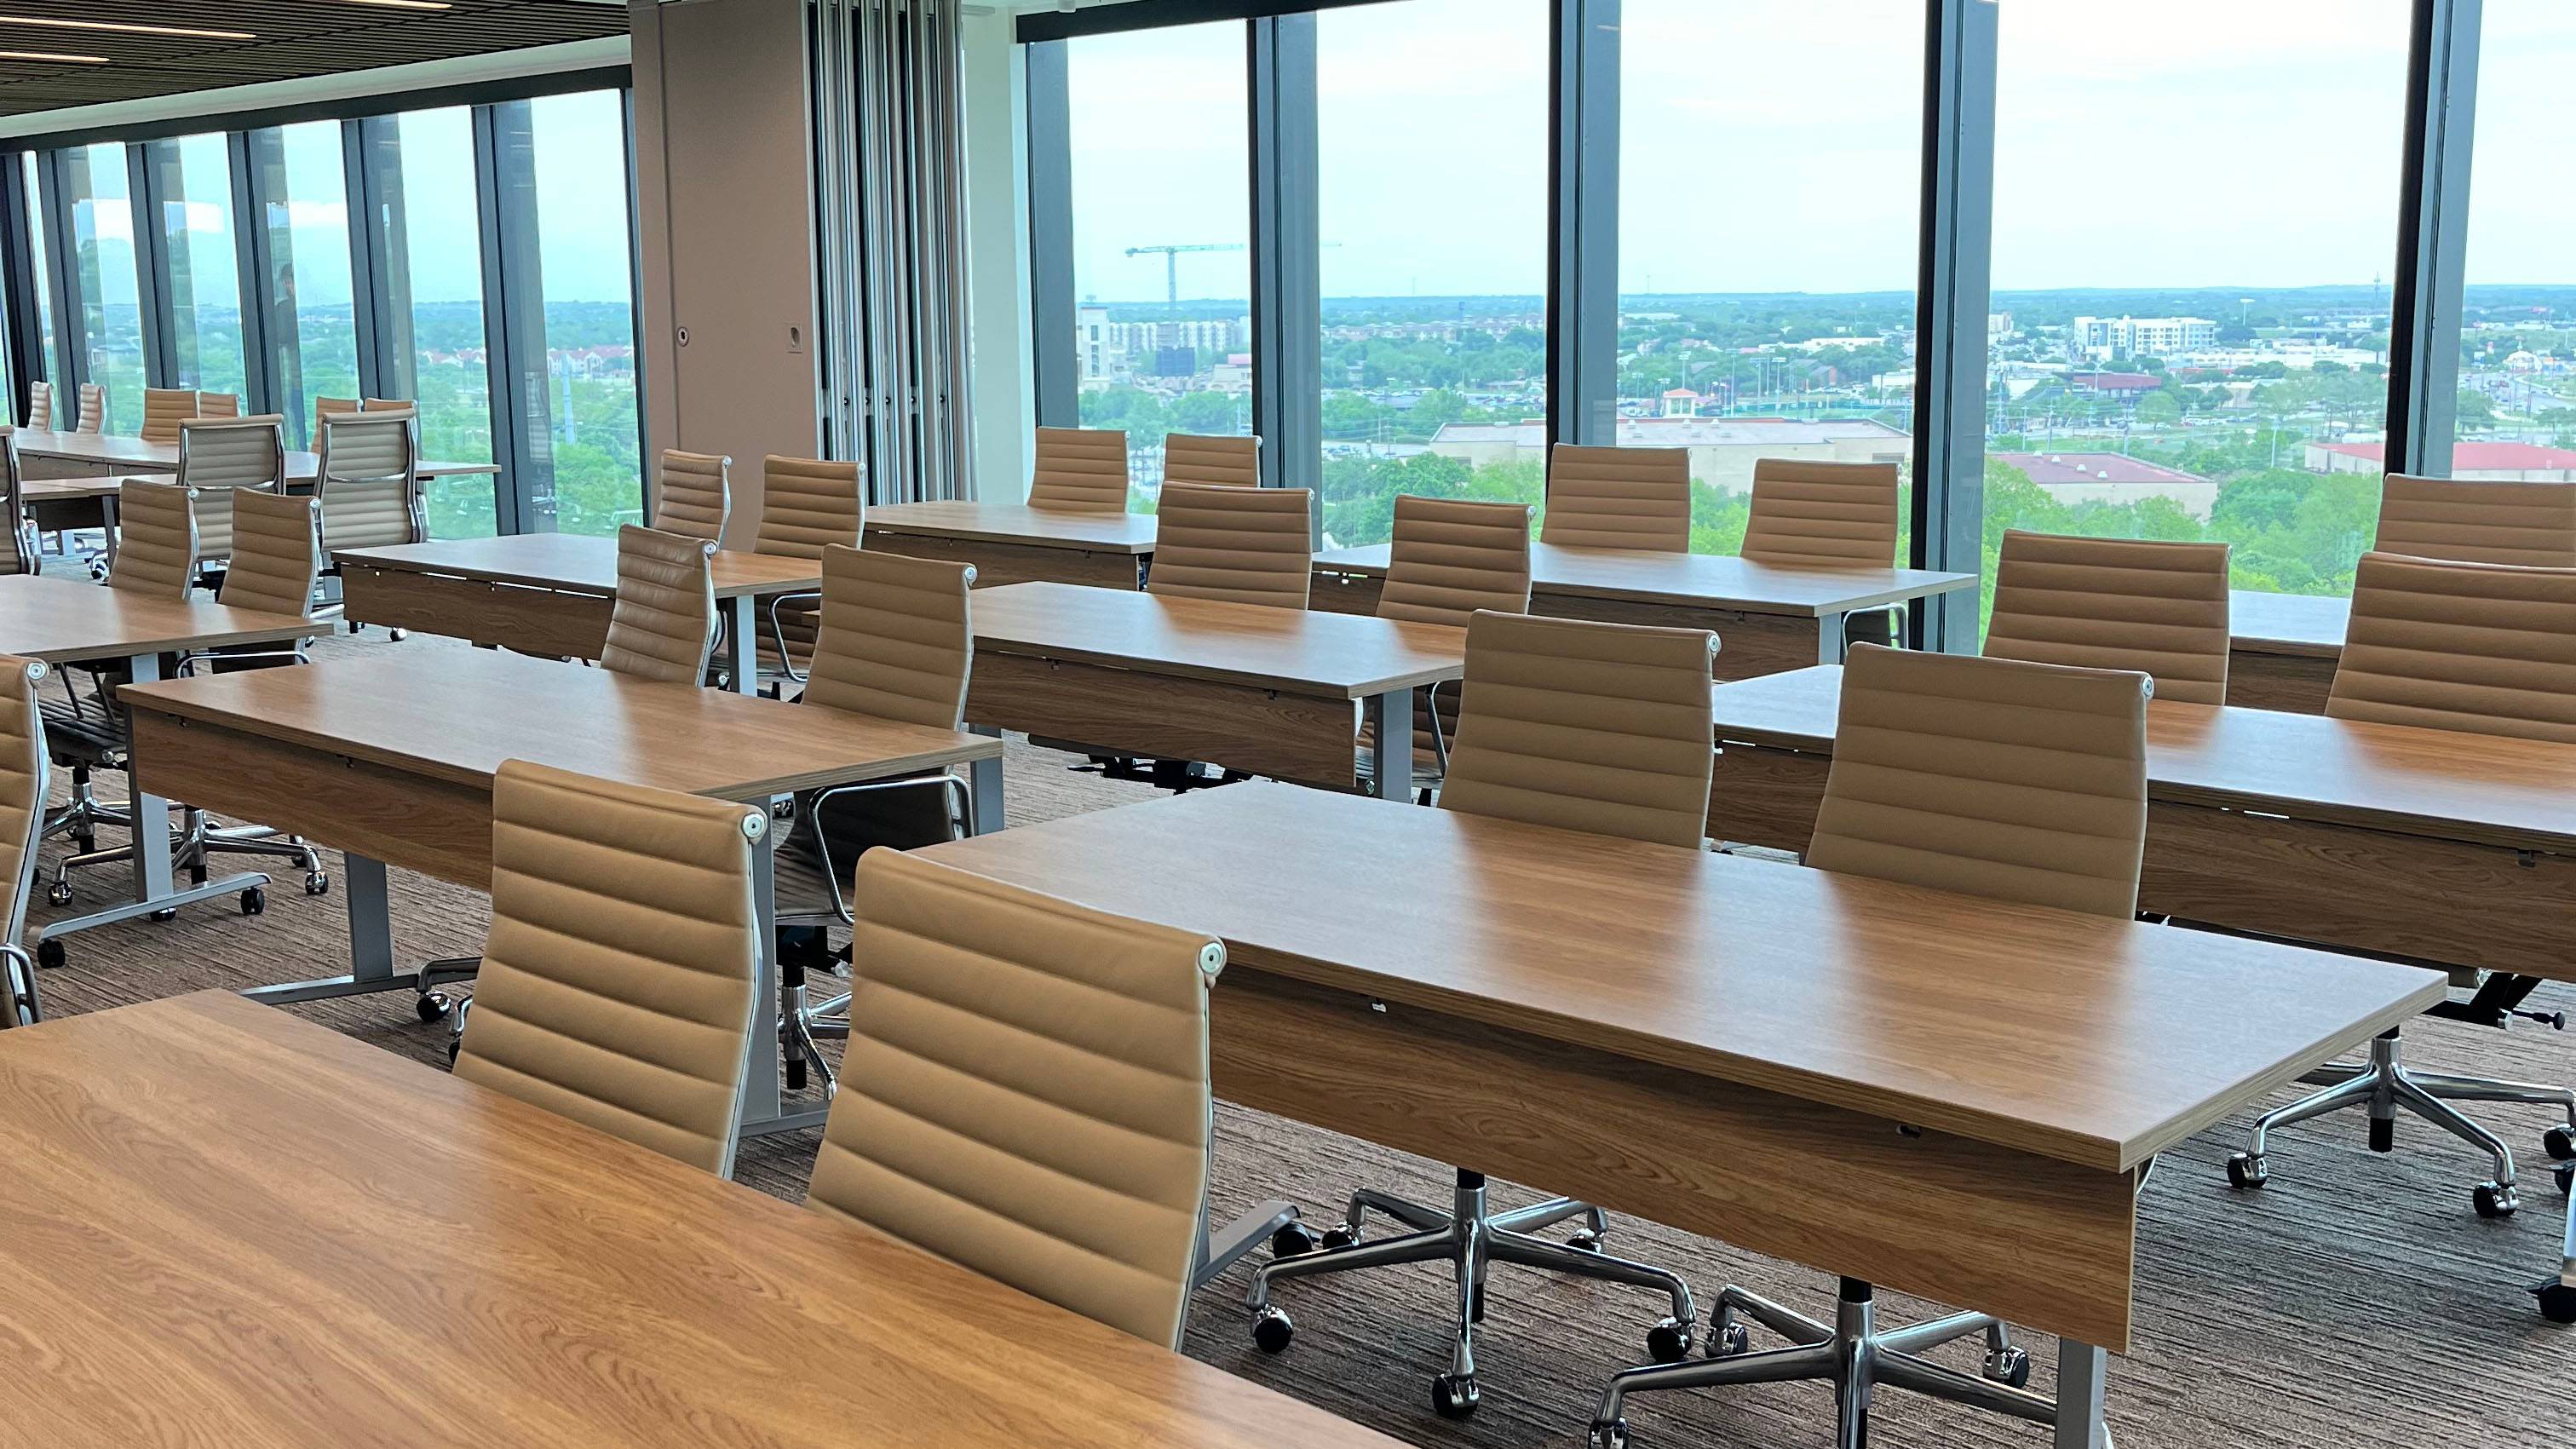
{"type": "Point", "coordinates": [1776, 147]}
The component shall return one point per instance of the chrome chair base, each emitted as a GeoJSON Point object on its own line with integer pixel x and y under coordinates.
{"type": "Point", "coordinates": [2383, 1084]}
{"type": "Point", "coordinates": [1469, 1237]}
{"type": "Point", "coordinates": [1853, 1354]}
{"type": "Point", "coordinates": [193, 844]}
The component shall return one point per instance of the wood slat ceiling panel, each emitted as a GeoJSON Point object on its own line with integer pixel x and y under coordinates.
{"type": "Point", "coordinates": [293, 39]}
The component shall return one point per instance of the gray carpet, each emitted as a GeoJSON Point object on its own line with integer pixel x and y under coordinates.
{"type": "Point", "coordinates": [2356, 1302]}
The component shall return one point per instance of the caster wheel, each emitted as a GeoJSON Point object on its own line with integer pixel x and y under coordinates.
{"type": "Point", "coordinates": [1272, 1331]}
{"type": "Point", "coordinates": [317, 884]}
{"type": "Point", "coordinates": [2494, 1201]}
{"type": "Point", "coordinates": [1453, 1397]}
{"type": "Point", "coordinates": [1341, 1235]}
{"type": "Point", "coordinates": [2559, 1143]}
{"type": "Point", "coordinates": [49, 954]}
{"type": "Point", "coordinates": [2011, 1368]}
{"type": "Point", "coordinates": [1729, 1339]}
{"type": "Point", "coordinates": [2247, 1170]}
{"type": "Point", "coordinates": [2557, 1301]}
{"type": "Point", "coordinates": [1669, 1341]}
{"type": "Point", "coordinates": [432, 1006]}
{"type": "Point", "coordinates": [1293, 1240]}
{"type": "Point", "coordinates": [170, 914]}
{"type": "Point", "coordinates": [59, 893]}
{"type": "Point", "coordinates": [2566, 1179]}
{"type": "Point", "coordinates": [1613, 1435]}
{"type": "Point", "coordinates": [1585, 1241]}
{"type": "Point", "coordinates": [254, 902]}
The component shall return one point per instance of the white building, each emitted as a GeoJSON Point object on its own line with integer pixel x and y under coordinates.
{"type": "Point", "coordinates": [1722, 450]}
{"type": "Point", "coordinates": [2106, 338]}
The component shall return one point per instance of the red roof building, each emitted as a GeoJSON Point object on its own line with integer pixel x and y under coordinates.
{"type": "Point", "coordinates": [2483, 462]}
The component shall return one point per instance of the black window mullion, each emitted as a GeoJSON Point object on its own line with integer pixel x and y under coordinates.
{"type": "Point", "coordinates": [149, 167]}
{"type": "Point", "coordinates": [71, 356]}
{"type": "Point", "coordinates": [1287, 283]}
{"type": "Point", "coordinates": [2428, 286]}
{"type": "Point", "coordinates": [27, 361]}
{"type": "Point", "coordinates": [1953, 294]}
{"type": "Point", "coordinates": [265, 389]}
{"type": "Point", "coordinates": [1583, 223]}
{"type": "Point", "coordinates": [514, 322]}
{"type": "Point", "coordinates": [366, 256]}
{"type": "Point", "coordinates": [1055, 345]}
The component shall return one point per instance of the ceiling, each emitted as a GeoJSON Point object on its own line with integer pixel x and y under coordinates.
{"type": "Point", "coordinates": [292, 40]}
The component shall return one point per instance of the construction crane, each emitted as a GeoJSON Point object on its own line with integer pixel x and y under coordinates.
{"type": "Point", "coordinates": [1172, 263]}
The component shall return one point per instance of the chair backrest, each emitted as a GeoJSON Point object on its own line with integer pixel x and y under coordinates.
{"type": "Point", "coordinates": [1453, 556]}
{"type": "Point", "coordinates": [17, 539]}
{"type": "Point", "coordinates": [23, 769]}
{"type": "Point", "coordinates": [1026, 1090]}
{"type": "Point", "coordinates": [2115, 603]}
{"type": "Point", "coordinates": [1084, 469]}
{"type": "Point", "coordinates": [1603, 728]}
{"type": "Point", "coordinates": [388, 404]}
{"type": "Point", "coordinates": [1635, 498]}
{"type": "Point", "coordinates": [218, 404]}
{"type": "Point", "coordinates": [2489, 648]}
{"type": "Point", "coordinates": [897, 637]}
{"type": "Point", "coordinates": [40, 405]}
{"type": "Point", "coordinates": [326, 408]}
{"type": "Point", "coordinates": [156, 538]}
{"type": "Point", "coordinates": [808, 504]}
{"type": "Point", "coordinates": [1241, 545]}
{"type": "Point", "coordinates": [1200, 458]}
{"type": "Point", "coordinates": [695, 496]}
{"type": "Point", "coordinates": [2478, 522]}
{"type": "Point", "coordinates": [218, 456]}
{"type": "Point", "coordinates": [1991, 777]}
{"type": "Point", "coordinates": [92, 414]}
{"type": "Point", "coordinates": [617, 983]}
{"type": "Point", "coordinates": [1807, 513]}
{"type": "Point", "coordinates": [164, 409]}
{"type": "Point", "coordinates": [663, 624]}
{"type": "Point", "coordinates": [277, 552]}
{"type": "Point", "coordinates": [370, 478]}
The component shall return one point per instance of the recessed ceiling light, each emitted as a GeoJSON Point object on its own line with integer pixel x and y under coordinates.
{"type": "Point", "coordinates": [123, 28]}
{"type": "Point", "coordinates": [58, 59]}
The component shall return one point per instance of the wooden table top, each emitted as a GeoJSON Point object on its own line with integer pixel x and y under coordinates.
{"type": "Point", "coordinates": [60, 619]}
{"type": "Point", "coordinates": [232, 1227]}
{"type": "Point", "coordinates": [2451, 784]}
{"type": "Point", "coordinates": [1695, 580]}
{"type": "Point", "coordinates": [456, 714]}
{"type": "Point", "coordinates": [577, 563]}
{"type": "Point", "coordinates": [1303, 650]}
{"type": "Point", "coordinates": [2267, 623]}
{"type": "Point", "coordinates": [1018, 523]}
{"type": "Point", "coordinates": [136, 455]}
{"type": "Point", "coordinates": [2094, 1040]}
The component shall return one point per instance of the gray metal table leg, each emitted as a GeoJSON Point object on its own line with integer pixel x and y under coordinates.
{"type": "Point", "coordinates": [761, 1111]}
{"type": "Point", "coordinates": [984, 785]}
{"type": "Point", "coordinates": [2082, 1371]}
{"type": "Point", "coordinates": [1833, 638]}
{"type": "Point", "coordinates": [742, 647]}
{"type": "Point", "coordinates": [1225, 1247]}
{"type": "Point", "coordinates": [1390, 718]}
{"type": "Point", "coordinates": [371, 947]}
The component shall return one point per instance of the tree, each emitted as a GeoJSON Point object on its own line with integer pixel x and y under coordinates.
{"type": "Point", "coordinates": [2475, 410]}
{"type": "Point", "coordinates": [2159, 409]}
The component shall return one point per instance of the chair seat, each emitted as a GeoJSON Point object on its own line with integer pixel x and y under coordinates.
{"type": "Point", "coordinates": [83, 736]}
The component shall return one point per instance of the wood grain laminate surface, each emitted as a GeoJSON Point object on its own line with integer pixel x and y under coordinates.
{"type": "Point", "coordinates": [58, 619]}
{"type": "Point", "coordinates": [456, 714]}
{"type": "Point", "coordinates": [1305, 651]}
{"type": "Point", "coordinates": [134, 455]}
{"type": "Point", "coordinates": [2297, 624]}
{"type": "Point", "coordinates": [1129, 533]}
{"type": "Point", "coordinates": [2086, 1039]}
{"type": "Point", "coordinates": [576, 563]}
{"type": "Point", "coordinates": [1714, 581]}
{"type": "Point", "coordinates": [2450, 784]}
{"type": "Point", "coordinates": [230, 1227]}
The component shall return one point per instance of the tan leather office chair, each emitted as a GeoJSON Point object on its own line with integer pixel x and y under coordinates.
{"type": "Point", "coordinates": [2478, 522]}
{"type": "Point", "coordinates": [1804, 513]}
{"type": "Point", "coordinates": [1448, 558]}
{"type": "Point", "coordinates": [156, 538]}
{"type": "Point", "coordinates": [806, 506]}
{"type": "Point", "coordinates": [663, 625]}
{"type": "Point", "coordinates": [221, 457]}
{"type": "Point", "coordinates": [218, 404]}
{"type": "Point", "coordinates": [391, 404]}
{"type": "Point", "coordinates": [1083, 470]}
{"type": "Point", "coordinates": [1991, 777]}
{"type": "Point", "coordinates": [326, 408]}
{"type": "Point", "coordinates": [164, 409]}
{"type": "Point", "coordinates": [91, 416]}
{"type": "Point", "coordinates": [40, 405]}
{"type": "Point", "coordinates": [2488, 649]}
{"type": "Point", "coordinates": [1026, 1091]}
{"type": "Point", "coordinates": [24, 768]}
{"type": "Point", "coordinates": [368, 478]}
{"type": "Point", "coordinates": [617, 981]}
{"type": "Point", "coordinates": [1235, 545]}
{"type": "Point", "coordinates": [1599, 728]}
{"type": "Point", "coordinates": [17, 540]}
{"type": "Point", "coordinates": [1633, 498]}
{"type": "Point", "coordinates": [2116, 603]}
{"type": "Point", "coordinates": [1200, 458]}
{"type": "Point", "coordinates": [695, 496]}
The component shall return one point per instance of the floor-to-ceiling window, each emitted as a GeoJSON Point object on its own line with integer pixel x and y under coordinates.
{"type": "Point", "coordinates": [46, 365]}
{"type": "Point", "coordinates": [433, 280]}
{"type": "Point", "coordinates": [204, 283]}
{"type": "Point", "coordinates": [312, 327]}
{"type": "Point", "coordinates": [2516, 407]}
{"type": "Point", "coordinates": [1431, 129]}
{"type": "Point", "coordinates": [578, 147]}
{"type": "Point", "coordinates": [1163, 327]}
{"type": "Point", "coordinates": [102, 243]}
{"type": "Point", "coordinates": [1768, 241]}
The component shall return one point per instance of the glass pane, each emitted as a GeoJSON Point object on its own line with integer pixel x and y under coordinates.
{"type": "Point", "coordinates": [1160, 230]}
{"type": "Point", "coordinates": [1768, 243]}
{"type": "Point", "coordinates": [2517, 404]}
{"type": "Point", "coordinates": [2192, 366]}
{"type": "Point", "coordinates": [312, 324]}
{"type": "Point", "coordinates": [1434, 297]}
{"type": "Point", "coordinates": [205, 284]}
{"type": "Point", "coordinates": [435, 271]}
{"type": "Point", "coordinates": [583, 237]}
{"type": "Point", "coordinates": [36, 199]}
{"type": "Point", "coordinates": [111, 317]}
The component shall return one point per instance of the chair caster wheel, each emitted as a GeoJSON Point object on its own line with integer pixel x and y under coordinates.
{"type": "Point", "coordinates": [1612, 1435]}
{"type": "Point", "coordinates": [254, 902]}
{"type": "Point", "coordinates": [170, 913]}
{"type": "Point", "coordinates": [2557, 1301]}
{"type": "Point", "coordinates": [1293, 1240]}
{"type": "Point", "coordinates": [1341, 1235]}
{"type": "Point", "coordinates": [1453, 1396]}
{"type": "Point", "coordinates": [1728, 1338]}
{"type": "Point", "coordinates": [1272, 1331]}
{"type": "Point", "coordinates": [49, 954]}
{"type": "Point", "coordinates": [1585, 1241]}
{"type": "Point", "coordinates": [317, 884]}
{"type": "Point", "coordinates": [2246, 1169]}
{"type": "Point", "coordinates": [2495, 1201]}
{"type": "Point", "coordinates": [433, 1006]}
{"type": "Point", "coordinates": [59, 893]}
{"type": "Point", "coordinates": [1669, 1341]}
{"type": "Point", "coordinates": [2559, 1143]}
{"type": "Point", "coordinates": [2011, 1368]}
